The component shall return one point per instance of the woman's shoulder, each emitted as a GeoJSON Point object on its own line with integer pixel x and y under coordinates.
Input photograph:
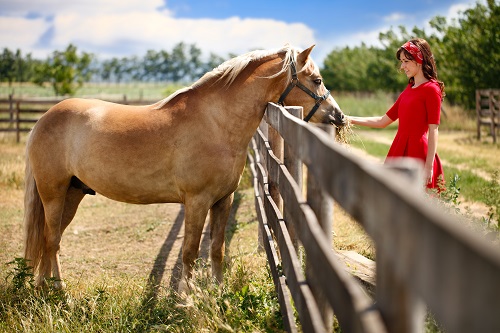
{"type": "Point", "coordinates": [431, 86]}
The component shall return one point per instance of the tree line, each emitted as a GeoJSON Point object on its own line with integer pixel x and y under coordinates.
{"type": "Point", "coordinates": [67, 70]}
{"type": "Point", "coordinates": [467, 54]}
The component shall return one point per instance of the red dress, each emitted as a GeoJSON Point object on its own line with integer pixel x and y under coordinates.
{"type": "Point", "coordinates": [416, 108]}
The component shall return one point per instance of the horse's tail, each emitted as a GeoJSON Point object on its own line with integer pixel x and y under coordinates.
{"type": "Point", "coordinates": [34, 220]}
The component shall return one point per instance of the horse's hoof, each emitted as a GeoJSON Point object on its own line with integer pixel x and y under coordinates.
{"type": "Point", "coordinates": [183, 288]}
{"type": "Point", "coordinates": [59, 285]}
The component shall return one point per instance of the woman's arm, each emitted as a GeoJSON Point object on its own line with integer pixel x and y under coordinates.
{"type": "Point", "coordinates": [375, 122]}
{"type": "Point", "coordinates": [431, 152]}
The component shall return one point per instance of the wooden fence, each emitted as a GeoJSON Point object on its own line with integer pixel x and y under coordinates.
{"type": "Point", "coordinates": [426, 259]}
{"type": "Point", "coordinates": [18, 115]}
{"type": "Point", "coordinates": [488, 111]}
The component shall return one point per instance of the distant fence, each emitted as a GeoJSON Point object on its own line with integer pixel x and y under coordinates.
{"type": "Point", "coordinates": [20, 114]}
{"type": "Point", "coordinates": [425, 258]}
{"type": "Point", "coordinates": [488, 111]}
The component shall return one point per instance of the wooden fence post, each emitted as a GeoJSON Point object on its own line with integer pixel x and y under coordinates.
{"type": "Point", "coordinates": [322, 205]}
{"type": "Point", "coordinates": [11, 110]}
{"type": "Point", "coordinates": [18, 134]}
{"type": "Point", "coordinates": [493, 115]}
{"type": "Point", "coordinates": [276, 145]}
{"type": "Point", "coordinates": [259, 158]}
{"type": "Point", "coordinates": [401, 309]}
{"type": "Point", "coordinates": [294, 166]}
{"type": "Point", "coordinates": [478, 112]}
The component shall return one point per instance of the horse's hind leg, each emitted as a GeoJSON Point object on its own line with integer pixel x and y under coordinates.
{"type": "Point", "coordinates": [73, 198]}
{"type": "Point", "coordinates": [54, 206]}
{"type": "Point", "coordinates": [219, 214]}
{"type": "Point", "coordinates": [59, 211]}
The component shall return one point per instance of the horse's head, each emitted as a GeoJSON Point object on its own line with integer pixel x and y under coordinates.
{"type": "Point", "coordinates": [306, 89]}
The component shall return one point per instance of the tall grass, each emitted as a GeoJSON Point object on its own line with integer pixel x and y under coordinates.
{"type": "Point", "coordinates": [246, 302]}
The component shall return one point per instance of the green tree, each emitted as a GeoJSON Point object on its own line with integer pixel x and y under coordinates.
{"type": "Point", "coordinates": [194, 64]}
{"type": "Point", "coordinates": [179, 63]}
{"type": "Point", "coordinates": [7, 68]}
{"type": "Point", "coordinates": [66, 71]}
{"type": "Point", "coordinates": [346, 69]}
{"type": "Point", "coordinates": [471, 47]}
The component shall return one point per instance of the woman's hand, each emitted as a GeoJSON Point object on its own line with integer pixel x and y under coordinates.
{"type": "Point", "coordinates": [428, 174]}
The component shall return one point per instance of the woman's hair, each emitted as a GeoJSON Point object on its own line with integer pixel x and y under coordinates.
{"type": "Point", "coordinates": [428, 63]}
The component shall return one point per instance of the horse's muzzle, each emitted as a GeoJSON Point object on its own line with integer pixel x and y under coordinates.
{"type": "Point", "coordinates": [338, 119]}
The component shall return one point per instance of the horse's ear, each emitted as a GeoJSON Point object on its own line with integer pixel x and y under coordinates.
{"type": "Point", "coordinates": [302, 57]}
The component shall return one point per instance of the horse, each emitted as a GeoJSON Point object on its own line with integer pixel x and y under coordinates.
{"type": "Point", "coordinates": [188, 148]}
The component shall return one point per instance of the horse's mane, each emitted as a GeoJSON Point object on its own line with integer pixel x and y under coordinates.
{"type": "Point", "coordinates": [229, 70]}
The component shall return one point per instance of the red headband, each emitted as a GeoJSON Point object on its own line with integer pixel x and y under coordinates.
{"type": "Point", "coordinates": [414, 51]}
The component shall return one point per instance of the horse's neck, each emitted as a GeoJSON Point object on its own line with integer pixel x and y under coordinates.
{"type": "Point", "coordinates": [243, 103]}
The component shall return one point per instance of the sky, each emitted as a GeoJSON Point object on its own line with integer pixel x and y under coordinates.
{"type": "Point", "coordinates": [123, 28]}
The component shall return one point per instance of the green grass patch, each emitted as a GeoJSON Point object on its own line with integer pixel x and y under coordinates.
{"type": "Point", "coordinates": [364, 104]}
{"type": "Point", "coordinates": [371, 147]}
{"type": "Point", "coordinates": [246, 302]}
{"type": "Point", "coordinates": [471, 185]}
{"type": "Point", "coordinates": [479, 164]}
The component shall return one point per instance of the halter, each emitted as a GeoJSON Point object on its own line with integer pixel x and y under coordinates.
{"type": "Point", "coordinates": [295, 83]}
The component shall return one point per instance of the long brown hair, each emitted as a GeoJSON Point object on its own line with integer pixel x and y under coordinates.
{"type": "Point", "coordinates": [428, 64]}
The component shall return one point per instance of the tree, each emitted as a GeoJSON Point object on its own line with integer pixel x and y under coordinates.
{"type": "Point", "coordinates": [179, 64]}
{"type": "Point", "coordinates": [7, 68]}
{"type": "Point", "coordinates": [194, 64]}
{"type": "Point", "coordinates": [471, 47]}
{"type": "Point", "coordinates": [66, 71]}
{"type": "Point", "coordinates": [347, 69]}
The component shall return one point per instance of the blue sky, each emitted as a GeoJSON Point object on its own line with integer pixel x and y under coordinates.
{"type": "Point", "coordinates": [118, 28]}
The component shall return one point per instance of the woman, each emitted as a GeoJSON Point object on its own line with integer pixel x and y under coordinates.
{"type": "Point", "coordinates": [418, 110]}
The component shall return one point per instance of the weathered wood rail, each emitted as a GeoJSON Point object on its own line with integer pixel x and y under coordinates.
{"type": "Point", "coordinates": [19, 114]}
{"type": "Point", "coordinates": [426, 259]}
{"type": "Point", "coordinates": [488, 111]}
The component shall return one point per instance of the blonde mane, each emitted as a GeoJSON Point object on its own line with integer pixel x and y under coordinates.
{"type": "Point", "coordinates": [230, 69]}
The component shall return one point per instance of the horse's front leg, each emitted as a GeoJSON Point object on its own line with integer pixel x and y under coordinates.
{"type": "Point", "coordinates": [219, 215]}
{"type": "Point", "coordinates": [196, 213]}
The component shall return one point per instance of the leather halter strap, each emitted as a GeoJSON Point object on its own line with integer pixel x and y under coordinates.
{"type": "Point", "coordinates": [295, 83]}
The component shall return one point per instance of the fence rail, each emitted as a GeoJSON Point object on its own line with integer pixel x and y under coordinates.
{"type": "Point", "coordinates": [425, 258]}
{"type": "Point", "coordinates": [18, 115]}
{"type": "Point", "coordinates": [488, 111]}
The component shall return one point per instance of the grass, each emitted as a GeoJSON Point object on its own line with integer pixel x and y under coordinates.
{"type": "Point", "coordinates": [245, 303]}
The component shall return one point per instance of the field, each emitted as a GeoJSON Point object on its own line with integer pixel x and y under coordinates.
{"type": "Point", "coordinates": [121, 262]}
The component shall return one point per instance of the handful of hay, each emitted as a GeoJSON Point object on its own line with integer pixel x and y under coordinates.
{"type": "Point", "coordinates": [344, 133]}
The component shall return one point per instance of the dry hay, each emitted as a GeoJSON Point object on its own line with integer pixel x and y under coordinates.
{"type": "Point", "coordinates": [344, 133]}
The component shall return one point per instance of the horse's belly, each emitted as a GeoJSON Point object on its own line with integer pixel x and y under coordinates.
{"type": "Point", "coordinates": [144, 192]}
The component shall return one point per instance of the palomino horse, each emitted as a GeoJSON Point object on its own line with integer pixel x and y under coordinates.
{"type": "Point", "coordinates": [189, 148]}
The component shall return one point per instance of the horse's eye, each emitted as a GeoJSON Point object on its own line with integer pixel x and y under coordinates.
{"type": "Point", "coordinates": [317, 81]}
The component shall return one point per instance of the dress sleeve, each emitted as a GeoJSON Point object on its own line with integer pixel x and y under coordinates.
{"type": "Point", "coordinates": [393, 111]}
{"type": "Point", "coordinates": [433, 105]}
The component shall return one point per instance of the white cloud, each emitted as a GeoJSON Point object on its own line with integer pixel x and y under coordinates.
{"type": "Point", "coordinates": [138, 26]}
{"type": "Point", "coordinates": [19, 33]}
{"type": "Point", "coordinates": [394, 17]}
